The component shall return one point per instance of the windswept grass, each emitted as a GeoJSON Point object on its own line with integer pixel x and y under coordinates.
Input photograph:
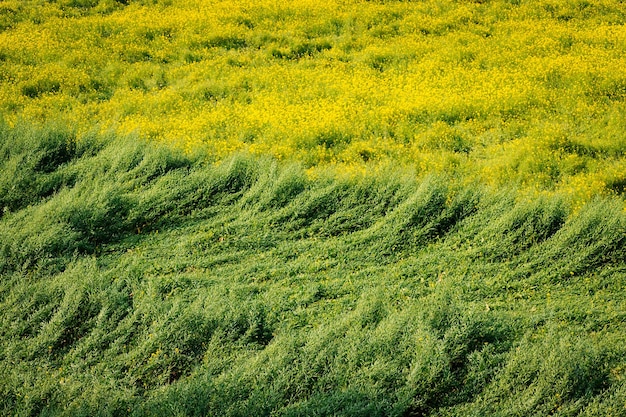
{"type": "Point", "coordinates": [136, 280]}
{"type": "Point", "coordinates": [304, 208]}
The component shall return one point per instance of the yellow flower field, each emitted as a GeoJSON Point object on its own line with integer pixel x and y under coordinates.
{"type": "Point", "coordinates": [529, 93]}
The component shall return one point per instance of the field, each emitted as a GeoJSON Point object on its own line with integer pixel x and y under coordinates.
{"type": "Point", "coordinates": [504, 91]}
{"type": "Point", "coordinates": [355, 208]}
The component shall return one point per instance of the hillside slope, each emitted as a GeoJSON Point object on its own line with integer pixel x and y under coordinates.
{"type": "Point", "coordinates": [137, 281]}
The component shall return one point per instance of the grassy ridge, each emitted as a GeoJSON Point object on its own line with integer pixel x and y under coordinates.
{"type": "Point", "coordinates": [137, 280]}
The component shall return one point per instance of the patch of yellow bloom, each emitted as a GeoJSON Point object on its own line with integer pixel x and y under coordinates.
{"type": "Point", "coordinates": [530, 93]}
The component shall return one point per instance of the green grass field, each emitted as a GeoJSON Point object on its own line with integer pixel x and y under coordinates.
{"type": "Point", "coordinates": [139, 281]}
{"type": "Point", "coordinates": [305, 208]}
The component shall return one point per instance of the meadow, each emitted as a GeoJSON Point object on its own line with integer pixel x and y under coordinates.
{"type": "Point", "coordinates": [300, 208]}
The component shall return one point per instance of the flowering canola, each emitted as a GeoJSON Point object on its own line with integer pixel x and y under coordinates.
{"type": "Point", "coordinates": [530, 93]}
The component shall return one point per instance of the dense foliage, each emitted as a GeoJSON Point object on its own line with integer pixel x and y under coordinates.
{"type": "Point", "coordinates": [312, 208]}
{"type": "Point", "coordinates": [135, 280]}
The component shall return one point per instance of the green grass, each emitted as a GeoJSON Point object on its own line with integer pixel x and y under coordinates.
{"type": "Point", "coordinates": [139, 281]}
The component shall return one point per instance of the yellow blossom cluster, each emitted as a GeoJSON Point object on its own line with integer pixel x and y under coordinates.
{"type": "Point", "coordinates": [531, 93]}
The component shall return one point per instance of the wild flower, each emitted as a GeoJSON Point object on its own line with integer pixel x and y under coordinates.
{"type": "Point", "coordinates": [479, 89]}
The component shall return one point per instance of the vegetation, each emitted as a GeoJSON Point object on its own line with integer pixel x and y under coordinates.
{"type": "Point", "coordinates": [530, 92]}
{"type": "Point", "coordinates": [140, 281]}
{"type": "Point", "coordinates": [304, 208]}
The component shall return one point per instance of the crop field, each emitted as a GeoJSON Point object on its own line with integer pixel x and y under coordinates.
{"type": "Point", "coordinates": [503, 91]}
{"type": "Point", "coordinates": [305, 208]}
